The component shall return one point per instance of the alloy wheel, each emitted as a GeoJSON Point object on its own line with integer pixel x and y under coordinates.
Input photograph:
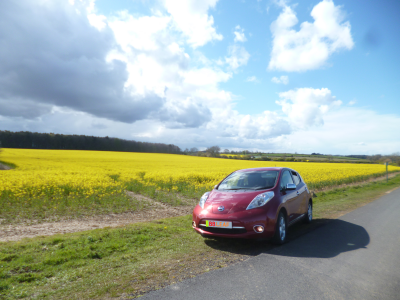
{"type": "Point", "coordinates": [282, 228]}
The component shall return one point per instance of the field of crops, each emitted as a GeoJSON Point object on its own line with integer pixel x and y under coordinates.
{"type": "Point", "coordinates": [57, 178]}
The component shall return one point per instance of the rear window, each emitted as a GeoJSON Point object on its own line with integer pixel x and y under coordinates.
{"type": "Point", "coordinates": [296, 178]}
{"type": "Point", "coordinates": [254, 180]}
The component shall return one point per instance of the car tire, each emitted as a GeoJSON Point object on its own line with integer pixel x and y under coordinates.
{"type": "Point", "coordinates": [281, 230]}
{"type": "Point", "coordinates": [308, 217]}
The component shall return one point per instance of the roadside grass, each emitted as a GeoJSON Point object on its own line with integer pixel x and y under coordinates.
{"type": "Point", "coordinates": [38, 209]}
{"type": "Point", "coordinates": [135, 259]}
{"type": "Point", "coordinates": [331, 184]}
{"type": "Point", "coordinates": [106, 262]}
{"type": "Point", "coordinates": [336, 202]}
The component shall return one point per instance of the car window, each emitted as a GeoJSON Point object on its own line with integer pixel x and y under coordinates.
{"type": "Point", "coordinates": [296, 178]}
{"type": "Point", "coordinates": [256, 180]}
{"type": "Point", "coordinates": [286, 178]}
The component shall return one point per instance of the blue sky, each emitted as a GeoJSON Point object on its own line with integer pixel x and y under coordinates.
{"type": "Point", "coordinates": [309, 76]}
{"type": "Point", "coordinates": [366, 74]}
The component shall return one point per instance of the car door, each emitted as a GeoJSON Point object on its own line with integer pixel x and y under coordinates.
{"type": "Point", "coordinates": [301, 201]}
{"type": "Point", "coordinates": [290, 197]}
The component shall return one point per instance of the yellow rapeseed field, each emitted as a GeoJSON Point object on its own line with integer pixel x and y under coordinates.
{"type": "Point", "coordinates": [76, 174]}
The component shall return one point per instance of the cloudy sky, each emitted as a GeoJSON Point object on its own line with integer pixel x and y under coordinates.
{"type": "Point", "coordinates": [307, 76]}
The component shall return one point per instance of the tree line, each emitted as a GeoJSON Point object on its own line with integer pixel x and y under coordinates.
{"type": "Point", "coordinates": [35, 140]}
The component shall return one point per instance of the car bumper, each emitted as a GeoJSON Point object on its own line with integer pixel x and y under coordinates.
{"type": "Point", "coordinates": [242, 224]}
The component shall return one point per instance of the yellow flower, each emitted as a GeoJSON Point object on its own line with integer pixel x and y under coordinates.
{"type": "Point", "coordinates": [83, 174]}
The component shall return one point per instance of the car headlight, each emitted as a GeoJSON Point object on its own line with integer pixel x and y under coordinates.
{"type": "Point", "coordinates": [203, 199]}
{"type": "Point", "coordinates": [260, 200]}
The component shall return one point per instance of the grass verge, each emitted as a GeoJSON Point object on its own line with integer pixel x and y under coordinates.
{"type": "Point", "coordinates": [36, 210]}
{"type": "Point", "coordinates": [135, 259]}
{"type": "Point", "coordinates": [336, 202]}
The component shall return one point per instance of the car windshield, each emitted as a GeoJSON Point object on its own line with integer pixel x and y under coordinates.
{"type": "Point", "coordinates": [253, 180]}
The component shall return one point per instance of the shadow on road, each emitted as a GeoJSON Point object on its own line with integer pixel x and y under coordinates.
{"type": "Point", "coordinates": [315, 240]}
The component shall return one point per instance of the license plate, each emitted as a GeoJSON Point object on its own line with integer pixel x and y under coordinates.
{"type": "Point", "coordinates": [219, 224]}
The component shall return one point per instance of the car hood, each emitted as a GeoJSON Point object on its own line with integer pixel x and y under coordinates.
{"type": "Point", "coordinates": [232, 201]}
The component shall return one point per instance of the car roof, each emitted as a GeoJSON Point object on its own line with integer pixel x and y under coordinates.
{"type": "Point", "coordinates": [262, 169]}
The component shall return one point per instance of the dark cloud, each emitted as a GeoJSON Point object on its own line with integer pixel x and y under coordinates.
{"type": "Point", "coordinates": [187, 114]}
{"type": "Point", "coordinates": [23, 108]}
{"type": "Point", "coordinates": [51, 55]}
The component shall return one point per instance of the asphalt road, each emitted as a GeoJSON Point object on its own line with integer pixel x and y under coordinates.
{"type": "Point", "coordinates": [354, 257]}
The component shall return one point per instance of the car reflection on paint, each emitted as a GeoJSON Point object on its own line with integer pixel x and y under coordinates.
{"type": "Point", "coordinates": [254, 203]}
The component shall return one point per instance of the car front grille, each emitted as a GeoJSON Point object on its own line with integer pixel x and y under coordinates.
{"type": "Point", "coordinates": [223, 230]}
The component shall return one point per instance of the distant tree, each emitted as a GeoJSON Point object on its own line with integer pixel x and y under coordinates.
{"type": "Point", "coordinates": [35, 140]}
{"type": "Point", "coordinates": [265, 158]}
{"type": "Point", "coordinates": [376, 157]}
{"type": "Point", "coordinates": [213, 151]}
{"type": "Point", "coordinates": [194, 149]}
{"type": "Point", "coordinates": [226, 151]}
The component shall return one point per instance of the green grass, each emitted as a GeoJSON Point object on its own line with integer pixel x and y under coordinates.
{"type": "Point", "coordinates": [135, 259]}
{"type": "Point", "coordinates": [337, 201]}
{"type": "Point", "coordinates": [37, 209]}
{"type": "Point", "coordinates": [103, 262]}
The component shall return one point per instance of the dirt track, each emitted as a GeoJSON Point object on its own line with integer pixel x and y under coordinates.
{"type": "Point", "coordinates": [4, 167]}
{"type": "Point", "coordinates": [154, 211]}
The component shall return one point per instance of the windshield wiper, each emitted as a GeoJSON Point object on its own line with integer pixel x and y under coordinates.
{"type": "Point", "coordinates": [235, 189]}
{"type": "Point", "coordinates": [263, 188]}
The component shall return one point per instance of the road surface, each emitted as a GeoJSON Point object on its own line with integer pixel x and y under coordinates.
{"type": "Point", "coordinates": [354, 257]}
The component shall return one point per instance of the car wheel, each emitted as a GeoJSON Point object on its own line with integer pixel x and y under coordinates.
{"type": "Point", "coordinates": [308, 217]}
{"type": "Point", "coordinates": [280, 231]}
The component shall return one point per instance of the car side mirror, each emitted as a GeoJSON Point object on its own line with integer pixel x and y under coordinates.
{"type": "Point", "coordinates": [290, 186]}
{"type": "Point", "coordinates": [215, 186]}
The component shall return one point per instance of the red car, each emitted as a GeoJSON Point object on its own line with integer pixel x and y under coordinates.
{"type": "Point", "coordinates": [254, 203]}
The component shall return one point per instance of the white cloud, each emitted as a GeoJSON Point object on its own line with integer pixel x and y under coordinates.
{"type": "Point", "coordinates": [192, 19]}
{"type": "Point", "coordinates": [238, 56]}
{"type": "Point", "coordinates": [282, 79]}
{"type": "Point", "coordinates": [343, 127]}
{"type": "Point", "coordinates": [266, 125]}
{"type": "Point", "coordinates": [252, 79]}
{"type": "Point", "coordinates": [119, 71]}
{"type": "Point", "coordinates": [352, 102]}
{"type": "Point", "coordinates": [55, 57]}
{"type": "Point", "coordinates": [130, 76]}
{"type": "Point", "coordinates": [239, 34]}
{"type": "Point", "coordinates": [306, 107]}
{"type": "Point", "coordinates": [205, 77]}
{"type": "Point", "coordinates": [310, 47]}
